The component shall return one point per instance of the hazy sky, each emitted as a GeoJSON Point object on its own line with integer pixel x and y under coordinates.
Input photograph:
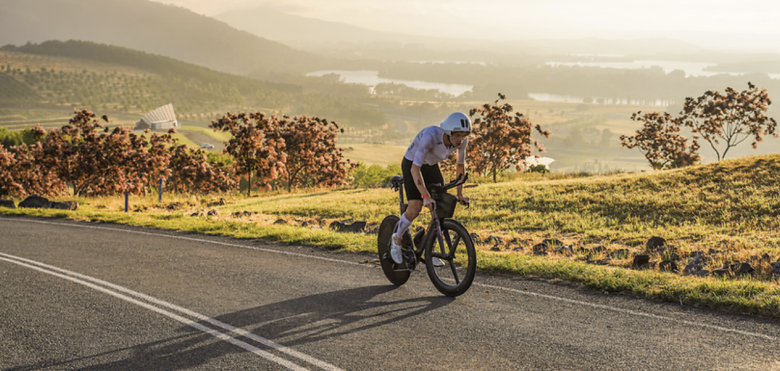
{"type": "Point", "coordinates": [710, 23]}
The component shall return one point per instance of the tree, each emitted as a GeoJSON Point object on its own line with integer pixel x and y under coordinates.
{"type": "Point", "coordinates": [312, 156]}
{"type": "Point", "coordinates": [501, 139]}
{"type": "Point", "coordinates": [191, 171]}
{"type": "Point", "coordinates": [732, 117]}
{"type": "Point", "coordinates": [256, 145]}
{"type": "Point", "coordinates": [660, 141]}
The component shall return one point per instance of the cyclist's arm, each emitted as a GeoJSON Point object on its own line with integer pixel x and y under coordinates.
{"type": "Point", "coordinates": [418, 180]}
{"type": "Point", "coordinates": [459, 170]}
{"type": "Point", "coordinates": [461, 166]}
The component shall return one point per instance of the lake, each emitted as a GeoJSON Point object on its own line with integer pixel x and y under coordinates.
{"type": "Point", "coordinates": [371, 78]}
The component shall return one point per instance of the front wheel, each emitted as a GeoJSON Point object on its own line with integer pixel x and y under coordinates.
{"type": "Point", "coordinates": [456, 250]}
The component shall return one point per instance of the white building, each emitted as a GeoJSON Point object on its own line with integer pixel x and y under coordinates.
{"type": "Point", "coordinates": [533, 161]}
{"type": "Point", "coordinates": [162, 118]}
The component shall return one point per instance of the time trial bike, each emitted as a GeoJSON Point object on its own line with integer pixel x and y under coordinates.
{"type": "Point", "coordinates": [445, 238]}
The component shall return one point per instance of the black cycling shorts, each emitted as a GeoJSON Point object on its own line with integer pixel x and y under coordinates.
{"type": "Point", "coordinates": [431, 174]}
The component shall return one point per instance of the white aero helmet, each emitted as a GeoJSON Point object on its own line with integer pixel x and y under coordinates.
{"type": "Point", "coordinates": [456, 122]}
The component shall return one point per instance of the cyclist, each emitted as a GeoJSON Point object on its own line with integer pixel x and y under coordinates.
{"type": "Point", "coordinates": [420, 166]}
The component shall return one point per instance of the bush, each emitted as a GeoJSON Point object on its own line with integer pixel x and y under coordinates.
{"type": "Point", "coordinates": [374, 175]}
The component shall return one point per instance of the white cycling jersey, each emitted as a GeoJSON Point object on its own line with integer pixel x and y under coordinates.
{"type": "Point", "coordinates": [428, 148]}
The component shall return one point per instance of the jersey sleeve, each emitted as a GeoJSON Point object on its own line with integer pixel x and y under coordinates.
{"type": "Point", "coordinates": [462, 151]}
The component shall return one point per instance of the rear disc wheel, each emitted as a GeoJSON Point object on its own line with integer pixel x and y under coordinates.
{"type": "Point", "coordinates": [398, 274]}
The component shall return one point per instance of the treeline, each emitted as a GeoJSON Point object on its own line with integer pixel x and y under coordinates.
{"type": "Point", "coordinates": [649, 83]}
{"type": "Point", "coordinates": [97, 161]}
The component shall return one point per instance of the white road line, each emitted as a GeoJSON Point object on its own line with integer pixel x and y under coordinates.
{"type": "Point", "coordinates": [522, 292]}
{"type": "Point", "coordinates": [83, 280]}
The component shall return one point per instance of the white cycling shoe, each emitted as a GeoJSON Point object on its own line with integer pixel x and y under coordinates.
{"type": "Point", "coordinates": [395, 251]}
{"type": "Point", "coordinates": [437, 262]}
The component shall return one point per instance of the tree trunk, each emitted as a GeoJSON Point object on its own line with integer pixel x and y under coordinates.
{"type": "Point", "coordinates": [249, 189]}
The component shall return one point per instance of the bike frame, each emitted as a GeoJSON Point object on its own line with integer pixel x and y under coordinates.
{"type": "Point", "coordinates": [435, 220]}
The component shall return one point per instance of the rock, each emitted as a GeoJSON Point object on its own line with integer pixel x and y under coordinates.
{"type": "Point", "coordinates": [721, 272]}
{"type": "Point", "coordinates": [552, 242]}
{"type": "Point", "coordinates": [640, 260]}
{"type": "Point", "coordinates": [35, 202]}
{"type": "Point", "coordinates": [648, 265]}
{"type": "Point", "coordinates": [195, 214]}
{"type": "Point", "coordinates": [619, 254]}
{"type": "Point", "coordinates": [247, 213]}
{"type": "Point", "coordinates": [495, 248]}
{"type": "Point", "coordinates": [701, 273]}
{"type": "Point", "coordinates": [222, 202]}
{"type": "Point", "coordinates": [519, 244]}
{"type": "Point", "coordinates": [475, 238]}
{"type": "Point", "coordinates": [541, 247]}
{"type": "Point", "coordinates": [745, 269]}
{"type": "Point", "coordinates": [603, 261]}
{"type": "Point", "coordinates": [565, 250]}
{"type": "Point", "coordinates": [305, 224]}
{"type": "Point", "coordinates": [766, 258]}
{"type": "Point", "coordinates": [7, 203]}
{"type": "Point", "coordinates": [694, 264]}
{"type": "Point", "coordinates": [668, 266]}
{"type": "Point", "coordinates": [213, 213]}
{"type": "Point", "coordinates": [173, 206]}
{"type": "Point", "coordinates": [65, 205]}
{"type": "Point", "coordinates": [715, 252]}
{"type": "Point", "coordinates": [280, 221]}
{"type": "Point", "coordinates": [355, 227]}
{"type": "Point", "coordinates": [775, 268]}
{"type": "Point", "coordinates": [654, 242]}
{"type": "Point", "coordinates": [540, 253]}
{"type": "Point", "coordinates": [696, 253]}
{"type": "Point", "coordinates": [494, 240]}
{"type": "Point", "coordinates": [598, 250]}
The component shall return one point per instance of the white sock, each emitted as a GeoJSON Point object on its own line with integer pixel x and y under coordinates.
{"type": "Point", "coordinates": [402, 225]}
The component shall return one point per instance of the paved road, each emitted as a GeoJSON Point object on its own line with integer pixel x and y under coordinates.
{"type": "Point", "coordinates": [89, 296]}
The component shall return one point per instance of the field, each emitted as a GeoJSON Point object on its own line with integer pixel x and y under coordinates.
{"type": "Point", "coordinates": [726, 212]}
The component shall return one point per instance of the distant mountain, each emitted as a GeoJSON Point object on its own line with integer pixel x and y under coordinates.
{"type": "Point", "coordinates": [151, 27]}
{"type": "Point", "coordinates": [326, 37]}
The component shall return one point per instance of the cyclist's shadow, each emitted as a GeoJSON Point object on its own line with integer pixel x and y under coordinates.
{"type": "Point", "coordinates": [322, 316]}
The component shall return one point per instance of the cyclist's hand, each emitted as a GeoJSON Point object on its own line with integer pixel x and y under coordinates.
{"type": "Point", "coordinates": [429, 202]}
{"type": "Point", "coordinates": [464, 200]}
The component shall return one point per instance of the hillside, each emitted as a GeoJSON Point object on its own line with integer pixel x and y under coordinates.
{"type": "Point", "coordinates": [44, 82]}
{"type": "Point", "coordinates": [151, 27]}
{"type": "Point", "coordinates": [341, 40]}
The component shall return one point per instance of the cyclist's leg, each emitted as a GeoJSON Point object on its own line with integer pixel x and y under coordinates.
{"type": "Point", "coordinates": [431, 174]}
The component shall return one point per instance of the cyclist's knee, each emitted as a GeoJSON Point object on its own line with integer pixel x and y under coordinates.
{"type": "Point", "coordinates": [413, 209]}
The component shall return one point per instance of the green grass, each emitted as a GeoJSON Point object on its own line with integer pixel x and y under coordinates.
{"type": "Point", "coordinates": [731, 206]}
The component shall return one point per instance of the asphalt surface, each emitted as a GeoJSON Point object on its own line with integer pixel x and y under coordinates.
{"type": "Point", "coordinates": [91, 296]}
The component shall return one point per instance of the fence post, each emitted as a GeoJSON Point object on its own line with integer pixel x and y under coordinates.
{"type": "Point", "coordinates": [126, 201]}
{"type": "Point", "coordinates": [160, 190]}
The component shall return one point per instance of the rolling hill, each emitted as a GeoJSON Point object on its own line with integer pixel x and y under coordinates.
{"type": "Point", "coordinates": [151, 27]}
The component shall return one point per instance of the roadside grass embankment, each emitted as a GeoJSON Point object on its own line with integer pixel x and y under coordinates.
{"type": "Point", "coordinates": [727, 212]}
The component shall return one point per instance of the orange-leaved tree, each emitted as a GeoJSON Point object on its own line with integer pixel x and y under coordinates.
{"type": "Point", "coordinates": [313, 159]}
{"type": "Point", "coordinates": [500, 138]}
{"type": "Point", "coordinates": [256, 146]}
{"type": "Point", "coordinates": [660, 141]}
{"type": "Point", "coordinates": [731, 117]}
{"type": "Point", "coordinates": [191, 172]}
